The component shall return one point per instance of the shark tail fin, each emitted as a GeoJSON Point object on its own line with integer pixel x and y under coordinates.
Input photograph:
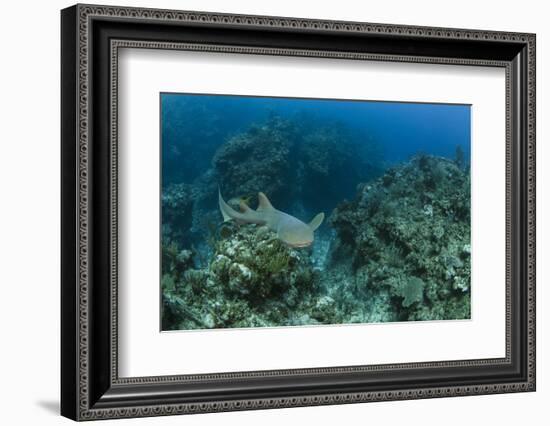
{"type": "Point", "coordinates": [223, 207]}
{"type": "Point", "coordinates": [263, 202]}
{"type": "Point", "coordinates": [316, 221]}
{"type": "Point", "coordinates": [226, 217]}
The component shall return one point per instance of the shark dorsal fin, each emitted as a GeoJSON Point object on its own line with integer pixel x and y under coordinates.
{"type": "Point", "coordinates": [263, 202]}
{"type": "Point", "coordinates": [243, 206]}
{"type": "Point", "coordinates": [316, 221]}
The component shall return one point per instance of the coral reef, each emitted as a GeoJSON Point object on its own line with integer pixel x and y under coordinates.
{"type": "Point", "coordinates": [409, 233]}
{"type": "Point", "coordinates": [311, 163]}
{"type": "Point", "coordinates": [177, 211]}
{"type": "Point", "coordinates": [399, 251]}
{"type": "Point", "coordinates": [252, 280]}
{"type": "Point", "coordinates": [258, 160]}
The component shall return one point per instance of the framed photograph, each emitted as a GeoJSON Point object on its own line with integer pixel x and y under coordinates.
{"type": "Point", "coordinates": [263, 212]}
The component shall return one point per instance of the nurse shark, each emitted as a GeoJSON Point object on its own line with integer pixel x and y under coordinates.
{"type": "Point", "coordinates": [290, 230]}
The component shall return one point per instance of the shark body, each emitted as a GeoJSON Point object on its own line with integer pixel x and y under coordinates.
{"type": "Point", "coordinates": [290, 230]}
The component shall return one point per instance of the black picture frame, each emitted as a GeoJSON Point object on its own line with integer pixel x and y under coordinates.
{"type": "Point", "coordinates": [90, 386]}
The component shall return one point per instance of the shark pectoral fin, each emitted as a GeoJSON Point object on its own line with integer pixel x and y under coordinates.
{"type": "Point", "coordinates": [316, 222]}
{"type": "Point", "coordinates": [263, 202]}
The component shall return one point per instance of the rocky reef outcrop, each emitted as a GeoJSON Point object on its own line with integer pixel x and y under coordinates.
{"type": "Point", "coordinates": [177, 212]}
{"type": "Point", "coordinates": [312, 164]}
{"type": "Point", "coordinates": [253, 279]}
{"type": "Point", "coordinates": [407, 237]}
{"type": "Point", "coordinates": [259, 160]}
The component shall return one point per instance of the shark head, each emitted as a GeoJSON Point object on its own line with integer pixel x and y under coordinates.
{"type": "Point", "coordinates": [295, 233]}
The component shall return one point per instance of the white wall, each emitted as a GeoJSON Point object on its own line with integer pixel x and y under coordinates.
{"type": "Point", "coordinates": [29, 212]}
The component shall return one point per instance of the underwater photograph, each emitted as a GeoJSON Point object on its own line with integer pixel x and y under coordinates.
{"type": "Point", "coordinates": [281, 212]}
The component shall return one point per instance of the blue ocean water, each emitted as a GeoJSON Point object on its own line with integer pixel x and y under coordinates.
{"type": "Point", "coordinates": [199, 124]}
